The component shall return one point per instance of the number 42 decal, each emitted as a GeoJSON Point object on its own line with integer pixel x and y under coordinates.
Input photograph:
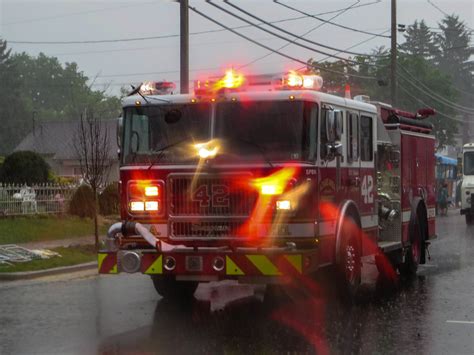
{"type": "Point", "coordinates": [367, 188]}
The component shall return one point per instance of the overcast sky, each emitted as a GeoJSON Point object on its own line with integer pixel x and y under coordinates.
{"type": "Point", "coordinates": [120, 63]}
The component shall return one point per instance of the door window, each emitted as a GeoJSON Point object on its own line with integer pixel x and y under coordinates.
{"type": "Point", "coordinates": [352, 137]}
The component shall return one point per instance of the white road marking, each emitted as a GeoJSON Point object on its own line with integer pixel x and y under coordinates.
{"type": "Point", "coordinates": [460, 321]}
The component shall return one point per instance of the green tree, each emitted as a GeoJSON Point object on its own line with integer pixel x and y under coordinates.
{"type": "Point", "coordinates": [455, 60]}
{"type": "Point", "coordinates": [421, 84]}
{"type": "Point", "coordinates": [24, 167]}
{"type": "Point", "coordinates": [420, 41]}
{"type": "Point", "coordinates": [57, 91]}
{"type": "Point", "coordinates": [13, 115]}
{"type": "Point", "coordinates": [42, 88]}
{"type": "Point", "coordinates": [454, 57]}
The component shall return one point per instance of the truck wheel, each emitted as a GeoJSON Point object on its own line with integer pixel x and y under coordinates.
{"type": "Point", "coordinates": [469, 219]}
{"type": "Point", "coordinates": [349, 267]}
{"type": "Point", "coordinates": [168, 287]}
{"type": "Point", "coordinates": [412, 260]}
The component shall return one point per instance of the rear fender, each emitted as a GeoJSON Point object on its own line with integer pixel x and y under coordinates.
{"type": "Point", "coordinates": [418, 204]}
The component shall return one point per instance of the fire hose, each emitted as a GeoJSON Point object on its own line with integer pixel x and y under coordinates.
{"type": "Point", "coordinates": [132, 228]}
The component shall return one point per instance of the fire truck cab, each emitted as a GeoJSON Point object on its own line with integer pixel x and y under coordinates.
{"type": "Point", "coordinates": [268, 180]}
{"type": "Point", "coordinates": [467, 185]}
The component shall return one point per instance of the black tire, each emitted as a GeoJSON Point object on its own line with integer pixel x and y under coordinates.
{"type": "Point", "coordinates": [350, 265]}
{"type": "Point", "coordinates": [412, 259]}
{"type": "Point", "coordinates": [169, 288]}
{"type": "Point", "coordinates": [469, 219]}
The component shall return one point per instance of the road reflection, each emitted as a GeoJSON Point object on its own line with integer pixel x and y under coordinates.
{"type": "Point", "coordinates": [316, 322]}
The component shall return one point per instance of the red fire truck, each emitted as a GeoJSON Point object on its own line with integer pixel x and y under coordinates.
{"type": "Point", "coordinates": [265, 180]}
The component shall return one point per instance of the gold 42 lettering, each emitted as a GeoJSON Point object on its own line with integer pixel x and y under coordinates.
{"type": "Point", "coordinates": [212, 196]}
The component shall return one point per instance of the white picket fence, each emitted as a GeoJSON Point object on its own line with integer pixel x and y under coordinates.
{"type": "Point", "coordinates": [36, 199]}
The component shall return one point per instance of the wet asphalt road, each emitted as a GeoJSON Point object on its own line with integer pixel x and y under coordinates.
{"type": "Point", "coordinates": [433, 314]}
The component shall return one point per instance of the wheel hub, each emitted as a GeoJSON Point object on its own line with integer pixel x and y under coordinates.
{"type": "Point", "coordinates": [351, 261]}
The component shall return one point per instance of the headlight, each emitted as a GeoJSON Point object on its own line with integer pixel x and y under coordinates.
{"type": "Point", "coordinates": [283, 205]}
{"type": "Point", "coordinates": [145, 197]}
{"type": "Point", "coordinates": [137, 206]}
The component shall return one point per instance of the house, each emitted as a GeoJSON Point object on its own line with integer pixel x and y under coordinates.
{"type": "Point", "coordinates": [55, 142]}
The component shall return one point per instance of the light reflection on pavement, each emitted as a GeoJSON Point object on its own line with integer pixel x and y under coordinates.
{"type": "Point", "coordinates": [123, 314]}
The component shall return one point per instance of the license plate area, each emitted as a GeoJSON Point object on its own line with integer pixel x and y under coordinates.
{"type": "Point", "coordinates": [194, 263]}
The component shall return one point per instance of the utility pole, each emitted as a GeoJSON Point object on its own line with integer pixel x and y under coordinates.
{"type": "Point", "coordinates": [393, 55]}
{"type": "Point", "coordinates": [184, 48]}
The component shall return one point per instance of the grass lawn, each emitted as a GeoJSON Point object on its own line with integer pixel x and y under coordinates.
{"type": "Point", "coordinates": [41, 228]}
{"type": "Point", "coordinates": [69, 256]}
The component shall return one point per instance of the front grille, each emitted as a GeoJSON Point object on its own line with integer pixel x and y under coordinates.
{"type": "Point", "coordinates": [210, 195]}
{"type": "Point", "coordinates": [208, 229]}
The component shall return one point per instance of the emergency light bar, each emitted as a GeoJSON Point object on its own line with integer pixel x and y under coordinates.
{"type": "Point", "coordinates": [233, 80]}
{"type": "Point", "coordinates": [157, 88]}
{"type": "Point", "coordinates": [293, 80]}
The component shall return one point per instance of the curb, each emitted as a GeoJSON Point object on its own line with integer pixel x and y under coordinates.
{"type": "Point", "coordinates": [27, 275]}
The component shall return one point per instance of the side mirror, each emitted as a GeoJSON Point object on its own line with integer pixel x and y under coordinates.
{"type": "Point", "coordinates": [333, 125]}
{"type": "Point", "coordinates": [333, 150]}
{"type": "Point", "coordinates": [330, 126]}
{"type": "Point", "coordinates": [336, 149]}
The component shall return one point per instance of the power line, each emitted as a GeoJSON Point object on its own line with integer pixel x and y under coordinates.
{"type": "Point", "coordinates": [283, 37]}
{"type": "Point", "coordinates": [273, 50]}
{"type": "Point", "coordinates": [329, 22]}
{"type": "Point", "coordinates": [448, 29]}
{"type": "Point", "coordinates": [153, 73]}
{"type": "Point", "coordinates": [432, 94]}
{"type": "Point", "coordinates": [437, 8]}
{"type": "Point", "coordinates": [363, 42]}
{"type": "Point", "coordinates": [442, 11]}
{"type": "Point", "coordinates": [304, 34]}
{"type": "Point", "coordinates": [165, 36]}
{"type": "Point", "coordinates": [39, 19]}
{"type": "Point", "coordinates": [425, 104]}
{"type": "Point", "coordinates": [195, 44]}
{"type": "Point", "coordinates": [288, 32]}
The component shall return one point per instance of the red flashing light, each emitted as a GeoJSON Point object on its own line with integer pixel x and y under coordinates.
{"type": "Point", "coordinates": [295, 80]}
{"type": "Point", "coordinates": [347, 91]}
{"type": "Point", "coordinates": [157, 88]}
{"type": "Point", "coordinates": [230, 81]}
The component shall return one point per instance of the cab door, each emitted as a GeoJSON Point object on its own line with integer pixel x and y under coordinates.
{"type": "Point", "coordinates": [367, 164]}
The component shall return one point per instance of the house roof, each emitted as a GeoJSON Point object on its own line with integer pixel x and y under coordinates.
{"type": "Point", "coordinates": [57, 139]}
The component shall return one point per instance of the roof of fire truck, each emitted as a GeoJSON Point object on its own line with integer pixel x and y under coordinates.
{"type": "Point", "coordinates": [234, 87]}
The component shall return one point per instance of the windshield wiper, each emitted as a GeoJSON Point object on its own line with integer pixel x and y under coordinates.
{"type": "Point", "coordinates": [261, 149]}
{"type": "Point", "coordinates": [162, 150]}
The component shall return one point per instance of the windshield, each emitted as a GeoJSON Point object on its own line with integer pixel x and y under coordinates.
{"type": "Point", "coordinates": [469, 163]}
{"type": "Point", "coordinates": [256, 131]}
{"type": "Point", "coordinates": [271, 130]}
{"type": "Point", "coordinates": [164, 132]}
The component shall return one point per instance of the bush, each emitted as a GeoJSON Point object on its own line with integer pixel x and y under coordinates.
{"type": "Point", "coordinates": [109, 200]}
{"type": "Point", "coordinates": [24, 167]}
{"type": "Point", "coordinates": [82, 202]}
